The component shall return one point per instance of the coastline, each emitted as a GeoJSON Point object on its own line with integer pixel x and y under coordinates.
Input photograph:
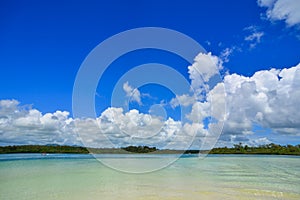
{"type": "Point", "coordinates": [271, 149]}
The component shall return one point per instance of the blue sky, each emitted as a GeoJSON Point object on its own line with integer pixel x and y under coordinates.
{"type": "Point", "coordinates": [43, 44]}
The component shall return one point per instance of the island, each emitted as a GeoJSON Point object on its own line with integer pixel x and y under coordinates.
{"type": "Point", "coordinates": [272, 149]}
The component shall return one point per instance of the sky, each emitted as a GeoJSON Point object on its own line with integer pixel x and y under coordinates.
{"type": "Point", "coordinates": [254, 45]}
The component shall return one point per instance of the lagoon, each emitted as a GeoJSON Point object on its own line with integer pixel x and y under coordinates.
{"type": "Point", "coordinates": [77, 176]}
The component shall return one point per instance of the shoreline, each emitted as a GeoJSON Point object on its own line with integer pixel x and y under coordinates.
{"type": "Point", "coordinates": [271, 149]}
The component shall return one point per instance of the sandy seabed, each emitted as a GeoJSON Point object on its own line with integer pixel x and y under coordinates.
{"type": "Point", "coordinates": [216, 177]}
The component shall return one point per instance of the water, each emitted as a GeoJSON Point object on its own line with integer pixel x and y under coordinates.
{"type": "Point", "coordinates": [62, 176]}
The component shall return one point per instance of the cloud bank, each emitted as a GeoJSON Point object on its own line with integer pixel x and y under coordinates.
{"type": "Point", "coordinates": [24, 125]}
{"type": "Point", "coordinates": [268, 99]}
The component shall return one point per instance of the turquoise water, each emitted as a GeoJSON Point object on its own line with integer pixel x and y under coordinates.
{"type": "Point", "coordinates": [61, 176]}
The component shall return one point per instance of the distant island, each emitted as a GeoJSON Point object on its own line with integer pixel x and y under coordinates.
{"type": "Point", "coordinates": [270, 149]}
{"type": "Point", "coordinates": [274, 149]}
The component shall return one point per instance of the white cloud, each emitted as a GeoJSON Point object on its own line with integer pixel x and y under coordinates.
{"type": "Point", "coordinates": [217, 100]}
{"type": "Point", "coordinates": [254, 38]}
{"type": "Point", "coordinates": [8, 105]}
{"type": "Point", "coordinates": [133, 94]}
{"type": "Point", "coordinates": [204, 75]}
{"type": "Point", "coordinates": [200, 110]}
{"type": "Point", "coordinates": [235, 139]}
{"type": "Point", "coordinates": [259, 141]}
{"type": "Point", "coordinates": [287, 10]}
{"type": "Point", "coordinates": [24, 125]}
{"type": "Point", "coordinates": [116, 128]}
{"type": "Point", "coordinates": [182, 100]}
{"type": "Point", "coordinates": [113, 128]}
{"type": "Point", "coordinates": [225, 54]}
{"type": "Point", "coordinates": [205, 67]}
{"type": "Point", "coordinates": [269, 99]}
{"type": "Point", "coordinates": [265, 3]}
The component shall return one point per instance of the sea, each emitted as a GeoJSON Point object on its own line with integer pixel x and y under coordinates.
{"type": "Point", "coordinates": [82, 176]}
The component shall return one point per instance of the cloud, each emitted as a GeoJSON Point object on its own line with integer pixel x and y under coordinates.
{"type": "Point", "coordinates": [113, 128]}
{"type": "Point", "coordinates": [133, 94]}
{"type": "Point", "coordinates": [208, 42]}
{"type": "Point", "coordinates": [24, 125]}
{"type": "Point", "coordinates": [287, 10]}
{"type": "Point", "coordinates": [225, 54]}
{"type": "Point", "coordinates": [228, 140]}
{"type": "Point", "coordinates": [182, 100]}
{"type": "Point", "coordinates": [200, 111]}
{"type": "Point", "coordinates": [203, 74]}
{"type": "Point", "coordinates": [268, 98]}
{"type": "Point", "coordinates": [265, 3]}
{"type": "Point", "coordinates": [254, 38]}
{"type": "Point", "coordinates": [116, 128]}
{"type": "Point", "coordinates": [204, 68]}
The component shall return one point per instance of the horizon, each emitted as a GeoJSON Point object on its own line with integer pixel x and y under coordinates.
{"type": "Point", "coordinates": [247, 91]}
{"type": "Point", "coordinates": [54, 145]}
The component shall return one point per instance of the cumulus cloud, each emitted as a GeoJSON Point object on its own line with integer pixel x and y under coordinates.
{"type": "Point", "coordinates": [133, 94]}
{"type": "Point", "coordinates": [287, 10]}
{"type": "Point", "coordinates": [116, 128]}
{"type": "Point", "coordinates": [205, 65]}
{"type": "Point", "coordinates": [202, 71]}
{"type": "Point", "coordinates": [113, 128]}
{"type": "Point", "coordinates": [268, 99]}
{"type": "Point", "coordinates": [24, 125]}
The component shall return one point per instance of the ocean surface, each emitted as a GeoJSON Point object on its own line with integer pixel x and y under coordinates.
{"type": "Point", "coordinates": [69, 176]}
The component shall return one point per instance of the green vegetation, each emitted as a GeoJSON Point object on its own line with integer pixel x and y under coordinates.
{"type": "Point", "coordinates": [43, 149]}
{"type": "Point", "coordinates": [237, 149]}
{"type": "Point", "coordinates": [139, 149]}
{"type": "Point", "coordinates": [263, 149]}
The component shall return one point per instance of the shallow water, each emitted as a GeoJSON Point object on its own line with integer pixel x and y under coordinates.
{"type": "Point", "coordinates": [61, 176]}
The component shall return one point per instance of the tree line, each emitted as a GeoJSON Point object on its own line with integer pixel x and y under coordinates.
{"type": "Point", "coordinates": [43, 149]}
{"type": "Point", "coordinates": [139, 149]}
{"type": "Point", "coordinates": [272, 148]}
